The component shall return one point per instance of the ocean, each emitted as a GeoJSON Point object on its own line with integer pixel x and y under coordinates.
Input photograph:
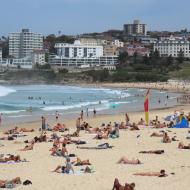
{"type": "Point", "coordinates": [29, 102]}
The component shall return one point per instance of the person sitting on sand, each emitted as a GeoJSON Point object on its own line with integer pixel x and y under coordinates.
{"type": "Point", "coordinates": [8, 183]}
{"type": "Point", "coordinates": [118, 186]}
{"type": "Point", "coordinates": [11, 158]}
{"type": "Point", "coordinates": [152, 152]}
{"type": "Point", "coordinates": [125, 160]}
{"type": "Point", "coordinates": [115, 133]}
{"type": "Point", "coordinates": [182, 146]}
{"type": "Point", "coordinates": [156, 174]}
{"type": "Point", "coordinates": [28, 147]}
{"type": "Point", "coordinates": [134, 127]}
{"type": "Point", "coordinates": [65, 169]}
{"type": "Point", "coordinates": [141, 122]}
{"type": "Point", "coordinates": [166, 138]}
{"type": "Point", "coordinates": [188, 135]}
{"type": "Point", "coordinates": [127, 119]}
{"type": "Point", "coordinates": [59, 152]}
{"type": "Point", "coordinates": [80, 162]}
{"type": "Point", "coordinates": [123, 125]}
{"type": "Point", "coordinates": [154, 134]}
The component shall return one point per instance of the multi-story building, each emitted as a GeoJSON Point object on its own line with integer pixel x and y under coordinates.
{"type": "Point", "coordinates": [118, 43]}
{"type": "Point", "coordinates": [78, 50]}
{"type": "Point", "coordinates": [172, 47]}
{"type": "Point", "coordinates": [110, 50]}
{"type": "Point", "coordinates": [38, 57]}
{"type": "Point", "coordinates": [135, 29]}
{"type": "Point", "coordinates": [24, 43]}
{"type": "Point", "coordinates": [78, 54]}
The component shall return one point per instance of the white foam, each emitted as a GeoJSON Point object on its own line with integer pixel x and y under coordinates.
{"type": "Point", "coordinates": [4, 91]}
{"type": "Point", "coordinates": [51, 108]}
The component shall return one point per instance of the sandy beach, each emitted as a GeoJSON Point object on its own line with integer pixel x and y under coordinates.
{"type": "Point", "coordinates": [41, 163]}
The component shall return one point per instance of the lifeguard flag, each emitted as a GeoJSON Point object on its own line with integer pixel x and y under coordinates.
{"type": "Point", "coordinates": [146, 107]}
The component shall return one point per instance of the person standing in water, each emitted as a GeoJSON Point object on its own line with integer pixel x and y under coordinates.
{"type": "Point", "coordinates": [94, 111]}
{"type": "Point", "coordinates": [87, 112]}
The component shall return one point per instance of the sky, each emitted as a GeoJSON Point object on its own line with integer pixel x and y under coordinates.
{"type": "Point", "coordinates": [82, 16]}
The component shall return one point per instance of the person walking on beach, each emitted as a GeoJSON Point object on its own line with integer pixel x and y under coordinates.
{"type": "Point", "coordinates": [43, 123]}
{"type": "Point", "coordinates": [1, 118]}
{"type": "Point", "coordinates": [78, 124]}
{"type": "Point", "coordinates": [87, 112]}
{"type": "Point", "coordinates": [56, 116]}
{"type": "Point", "coordinates": [81, 115]}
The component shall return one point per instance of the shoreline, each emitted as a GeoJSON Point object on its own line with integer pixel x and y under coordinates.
{"type": "Point", "coordinates": [175, 86]}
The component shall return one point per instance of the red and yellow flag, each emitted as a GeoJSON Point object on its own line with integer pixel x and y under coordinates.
{"type": "Point", "coordinates": [146, 107]}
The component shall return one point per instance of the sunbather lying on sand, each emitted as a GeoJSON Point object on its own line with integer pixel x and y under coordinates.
{"type": "Point", "coordinates": [9, 138]}
{"type": "Point", "coordinates": [41, 138]}
{"type": "Point", "coordinates": [26, 130]}
{"type": "Point", "coordinates": [152, 152]}
{"type": "Point", "coordinates": [80, 162]}
{"type": "Point", "coordinates": [65, 169]}
{"type": "Point", "coordinates": [182, 146]}
{"type": "Point", "coordinates": [118, 186]}
{"type": "Point", "coordinates": [92, 130]}
{"type": "Point", "coordinates": [156, 174]}
{"type": "Point", "coordinates": [12, 131]}
{"type": "Point", "coordinates": [101, 146]}
{"type": "Point", "coordinates": [157, 134]}
{"type": "Point", "coordinates": [28, 147]}
{"type": "Point", "coordinates": [13, 182]}
{"type": "Point", "coordinates": [102, 135]}
{"type": "Point", "coordinates": [10, 158]}
{"type": "Point", "coordinates": [125, 160]}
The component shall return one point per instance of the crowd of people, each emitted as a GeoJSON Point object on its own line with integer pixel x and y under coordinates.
{"type": "Point", "coordinates": [60, 138]}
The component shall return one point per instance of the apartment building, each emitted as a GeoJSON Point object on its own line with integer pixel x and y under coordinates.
{"type": "Point", "coordinates": [172, 47]}
{"type": "Point", "coordinates": [24, 43]}
{"type": "Point", "coordinates": [135, 29]}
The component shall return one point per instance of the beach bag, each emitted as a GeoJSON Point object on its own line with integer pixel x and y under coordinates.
{"type": "Point", "coordinates": [9, 185]}
{"type": "Point", "coordinates": [27, 182]}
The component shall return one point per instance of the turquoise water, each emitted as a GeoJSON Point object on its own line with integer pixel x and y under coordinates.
{"type": "Point", "coordinates": [16, 101]}
{"type": "Point", "coordinates": [52, 97]}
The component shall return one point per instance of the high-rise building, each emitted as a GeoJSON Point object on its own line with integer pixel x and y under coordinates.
{"type": "Point", "coordinates": [24, 43]}
{"type": "Point", "coordinates": [135, 29]}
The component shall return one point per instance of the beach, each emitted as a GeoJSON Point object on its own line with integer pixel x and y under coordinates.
{"type": "Point", "coordinates": [40, 163]}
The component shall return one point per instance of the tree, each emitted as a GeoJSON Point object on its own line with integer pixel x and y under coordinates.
{"type": "Point", "coordinates": [123, 56]}
{"type": "Point", "coordinates": [180, 57]}
{"type": "Point", "coordinates": [169, 60]}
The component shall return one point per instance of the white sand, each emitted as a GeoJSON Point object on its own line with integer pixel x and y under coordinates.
{"type": "Point", "coordinates": [40, 164]}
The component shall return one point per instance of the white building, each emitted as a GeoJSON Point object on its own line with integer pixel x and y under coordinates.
{"type": "Point", "coordinates": [38, 57]}
{"type": "Point", "coordinates": [135, 29]}
{"type": "Point", "coordinates": [24, 63]}
{"type": "Point", "coordinates": [172, 47]}
{"type": "Point", "coordinates": [24, 43]}
{"type": "Point", "coordinates": [118, 43]}
{"type": "Point", "coordinates": [78, 50]}
{"type": "Point", "coordinates": [78, 54]}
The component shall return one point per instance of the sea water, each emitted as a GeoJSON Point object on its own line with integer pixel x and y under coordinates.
{"type": "Point", "coordinates": [26, 101]}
